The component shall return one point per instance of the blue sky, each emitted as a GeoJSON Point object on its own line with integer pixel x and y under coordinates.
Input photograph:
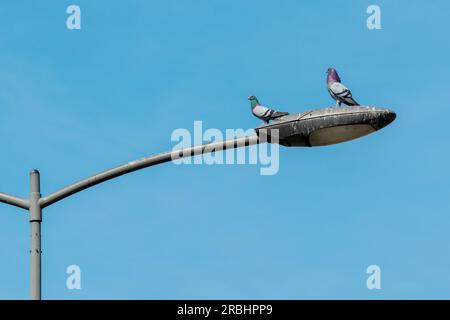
{"type": "Point", "coordinates": [75, 102]}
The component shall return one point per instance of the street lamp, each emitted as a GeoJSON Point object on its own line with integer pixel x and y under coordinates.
{"type": "Point", "coordinates": [327, 126]}
{"type": "Point", "coordinates": [311, 128]}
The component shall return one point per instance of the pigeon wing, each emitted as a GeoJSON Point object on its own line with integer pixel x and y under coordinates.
{"type": "Point", "coordinates": [278, 114]}
{"type": "Point", "coordinates": [341, 93]}
{"type": "Point", "coordinates": [261, 111]}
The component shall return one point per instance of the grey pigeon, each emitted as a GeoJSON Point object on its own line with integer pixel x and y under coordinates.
{"type": "Point", "coordinates": [337, 90]}
{"type": "Point", "coordinates": [264, 113]}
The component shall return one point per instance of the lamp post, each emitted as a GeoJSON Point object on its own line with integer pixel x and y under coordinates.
{"type": "Point", "coordinates": [311, 128]}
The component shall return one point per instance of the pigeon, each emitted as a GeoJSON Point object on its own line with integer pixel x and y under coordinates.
{"type": "Point", "coordinates": [264, 113]}
{"type": "Point", "coordinates": [337, 90]}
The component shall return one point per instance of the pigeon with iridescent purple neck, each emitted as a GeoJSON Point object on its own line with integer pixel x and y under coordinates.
{"type": "Point", "coordinates": [264, 113]}
{"type": "Point", "coordinates": [337, 90]}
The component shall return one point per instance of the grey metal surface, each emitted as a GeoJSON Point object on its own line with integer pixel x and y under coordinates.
{"type": "Point", "coordinates": [35, 250]}
{"type": "Point", "coordinates": [327, 126]}
{"type": "Point", "coordinates": [310, 128]}
{"type": "Point", "coordinates": [144, 163]}
{"type": "Point", "coordinates": [14, 201]}
{"type": "Point", "coordinates": [35, 204]}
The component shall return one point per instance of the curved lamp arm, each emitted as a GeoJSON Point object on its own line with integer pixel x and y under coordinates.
{"type": "Point", "coordinates": [144, 163]}
{"type": "Point", "coordinates": [15, 201]}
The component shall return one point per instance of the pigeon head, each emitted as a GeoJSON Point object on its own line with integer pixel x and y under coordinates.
{"type": "Point", "coordinates": [253, 100]}
{"type": "Point", "coordinates": [332, 75]}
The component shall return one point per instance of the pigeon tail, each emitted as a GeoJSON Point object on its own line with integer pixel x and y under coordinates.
{"type": "Point", "coordinates": [351, 102]}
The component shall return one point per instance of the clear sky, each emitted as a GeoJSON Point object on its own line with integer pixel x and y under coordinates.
{"type": "Point", "coordinates": [75, 102]}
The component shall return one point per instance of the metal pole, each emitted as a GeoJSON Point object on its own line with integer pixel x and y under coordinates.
{"type": "Point", "coordinates": [145, 163]}
{"type": "Point", "coordinates": [35, 221]}
{"type": "Point", "coordinates": [36, 202]}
